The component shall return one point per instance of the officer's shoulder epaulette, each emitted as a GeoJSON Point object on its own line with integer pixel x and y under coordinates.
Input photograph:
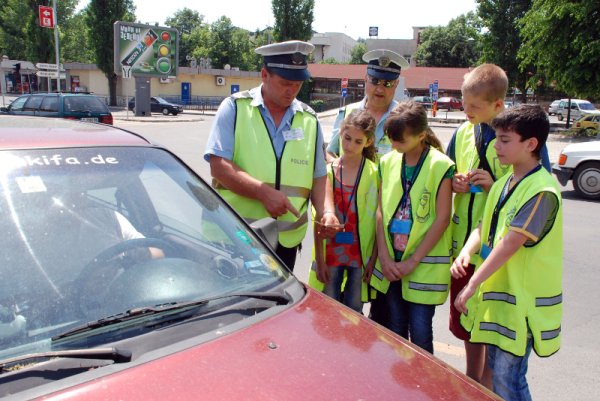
{"type": "Point", "coordinates": [306, 108]}
{"type": "Point", "coordinates": [242, 95]}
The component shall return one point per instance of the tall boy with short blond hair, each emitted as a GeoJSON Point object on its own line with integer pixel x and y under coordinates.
{"type": "Point", "coordinates": [477, 167]}
{"type": "Point", "coordinates": [518, 285]}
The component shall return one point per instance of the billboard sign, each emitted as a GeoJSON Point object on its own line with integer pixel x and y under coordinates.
{"type": "Point", "coordinates": [145, 50]}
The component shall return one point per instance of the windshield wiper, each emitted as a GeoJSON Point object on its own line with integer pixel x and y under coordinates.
{"type": "Point", "coordinates": [114, 354]}
{"type": "Point", "coordinates": [281, 298]}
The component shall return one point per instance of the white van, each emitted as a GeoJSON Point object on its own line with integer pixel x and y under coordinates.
{"type": "Point", "coordinates": [579, 108]}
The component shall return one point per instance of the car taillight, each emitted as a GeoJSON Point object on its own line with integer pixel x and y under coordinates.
{"type": "Point", "coordinates": [577, 125]}
{"type": "Point", "coordinates": [562, 159]}
{"type": "Point", "coordinates": [107, 119]}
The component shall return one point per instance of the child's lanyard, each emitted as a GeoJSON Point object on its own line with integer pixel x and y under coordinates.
{"type": "Point", "coordinates": [502, 201]}
{"type": "Point", "coordinates": [343, 209]}
{"type": "Point", "coordinates": [407, 184]}
{"type": "Point", "coordinates": [475, 159]}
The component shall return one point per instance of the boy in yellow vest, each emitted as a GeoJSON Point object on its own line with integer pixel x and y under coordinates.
{"type": "Point", "coordinates": [518, 287]}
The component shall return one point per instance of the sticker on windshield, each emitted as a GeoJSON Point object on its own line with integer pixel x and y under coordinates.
{"type": "Point", "coordinates": [31, 184]}
{"type": "Point", "coordinates": [243, 236]}
{"type": "Point", "coordinates": [269, 262]}
{"type": "Point", "coordinates": [60, 160]}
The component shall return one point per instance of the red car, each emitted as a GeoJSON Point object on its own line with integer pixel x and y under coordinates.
{"type": "Point", "coordinates": [126, 277]}
{"type": "Point", "coordinates": [449, 103]}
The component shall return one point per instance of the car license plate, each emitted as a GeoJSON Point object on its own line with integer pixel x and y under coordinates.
{"type": "Point", "coordinates": [89, 119]}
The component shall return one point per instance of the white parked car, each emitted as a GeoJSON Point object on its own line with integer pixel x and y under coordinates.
{"type": "Point", "coordinates": [580, 162]}
{"type": "Point", "coordinates": [579, 108]}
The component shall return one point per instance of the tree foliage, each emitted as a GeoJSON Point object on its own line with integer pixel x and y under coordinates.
{"type": "Point", "coordinates": [502, 41]}
{"type": "Point", "coordinates": [455, 45]}
{"type": "Point", "coordinates": [101, 16]}
{"type": "Point", "coordinates": [562, 38]}
{"type": "Point", "coordinates": [293, 19]}
{"type": "Point", "coordinates": [12, 29]}
{"type": "Point", "coordinates": [357, 53]}
{"type": "Point", "coordinates": [185, 21]}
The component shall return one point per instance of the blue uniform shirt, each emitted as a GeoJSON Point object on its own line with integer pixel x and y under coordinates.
{"type": "Point", "coordinates": [334, 143]}
{"type": "Point", "coordinates": [221, 140]}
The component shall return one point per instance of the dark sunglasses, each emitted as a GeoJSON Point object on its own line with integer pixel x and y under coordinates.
{"type": "Point", "coordinates": [384, 82]}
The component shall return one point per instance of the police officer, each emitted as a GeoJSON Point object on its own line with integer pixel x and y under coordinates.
{"type": "Point", "coordinates": [383, 70]}
{"type": "Point", "coordinates": [266, 150]}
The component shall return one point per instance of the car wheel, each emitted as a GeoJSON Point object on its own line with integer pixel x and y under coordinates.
{"type": "Point", "coordinates": [590, 131]}
{"type": "Point", "coordinates": [165, 111]}
{"type": "Point", "coordinates": [586, 180]}
{"type": "Point", "coordinates": [560, 117]}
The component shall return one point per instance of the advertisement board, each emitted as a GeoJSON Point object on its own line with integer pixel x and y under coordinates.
{"type": "Point", "coordinates": [145, 50]}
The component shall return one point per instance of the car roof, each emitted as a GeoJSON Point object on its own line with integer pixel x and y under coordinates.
{"type": "Point", "coordinates": [21, 132]}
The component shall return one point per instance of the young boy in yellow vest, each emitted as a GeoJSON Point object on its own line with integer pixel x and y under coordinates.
{"type": "Point", "coordinates": [518, 287]}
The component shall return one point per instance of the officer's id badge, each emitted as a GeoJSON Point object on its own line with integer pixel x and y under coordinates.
{"type": "Point", "coordinates": [295, 134]}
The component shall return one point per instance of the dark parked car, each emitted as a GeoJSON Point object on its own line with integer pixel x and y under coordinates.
{"type": "Point", "coordinates": [426, 101]}
{"type": "Point", "coordinates": [159, 105]}
{"type": "Point", "coordinates": [449, 103]}
{"type": "Point", "coordinates": [125, 276]}
{"type": "Point", "coordinates": [74, 106]}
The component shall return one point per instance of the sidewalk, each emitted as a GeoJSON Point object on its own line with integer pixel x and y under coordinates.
{"type": "Point", "coordinates": [121, 113]}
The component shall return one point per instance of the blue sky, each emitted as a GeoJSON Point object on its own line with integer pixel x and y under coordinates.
{"type": "Point", "coordinates": [394, 19]}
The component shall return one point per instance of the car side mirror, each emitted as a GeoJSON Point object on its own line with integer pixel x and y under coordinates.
{"type": "Point", "coordinates": [266, 228]}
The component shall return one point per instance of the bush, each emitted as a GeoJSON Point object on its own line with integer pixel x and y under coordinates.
{"type": "Point", "coordinates": [317, 105]}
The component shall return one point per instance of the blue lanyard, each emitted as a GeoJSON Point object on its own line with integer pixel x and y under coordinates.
{"type": "Point", "coordinates": [407, 184]}
{"type": "Point", "coordinates": [345, 210]}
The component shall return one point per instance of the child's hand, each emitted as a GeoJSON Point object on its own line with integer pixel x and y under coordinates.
{"type": "Point", "coordinates": [390, 269]}
{"type": "Point", "coordinates": [460, 183]}
{"type": "Point", "coordinates": [328, 226]}
{"type": "Point", "coordinates": [407, 266]}
{"type": "Point", "coordinates": [457, 270]}
{"type": "Point", "coordinates": [482, 178]}
{"type": "Point", "coordinates": [323, 272]}
{"type": "Point", "coordinates": [460, 303]}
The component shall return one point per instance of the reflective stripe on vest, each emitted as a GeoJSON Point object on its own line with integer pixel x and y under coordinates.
{"type": "Point", "coordinates": [292, 173]}
{"type": "Point", "coordinates": [468, 207]}
{"type": "Point", "coordinates": [528, 285]}
{"type": "Point", "coordinates": [429, 282]}
{"type": "Point", "coordinates": [366, 206]}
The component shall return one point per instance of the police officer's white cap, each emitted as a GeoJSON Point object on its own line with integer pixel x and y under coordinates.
{"type": "Point", "coordinates": [287, 59]}
{"type": "Point", "coordinates": [384, 64]}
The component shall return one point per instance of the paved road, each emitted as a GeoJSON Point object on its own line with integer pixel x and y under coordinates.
{"type": "Point", "coordinates": [569, 375]}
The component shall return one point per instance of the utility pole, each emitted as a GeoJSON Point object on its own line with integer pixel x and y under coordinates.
{"type": "Point", "coordinates": [56, 46]}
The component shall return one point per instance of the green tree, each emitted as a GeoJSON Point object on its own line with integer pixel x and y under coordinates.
{"type": "Point", "coordinates": [101, 16]}
{"type": "Point", "coordinates": [293, 19]}
{"type": "Point", "coordinates": [74, 39]}
{"type": "Point", "coordinates": [502, 40]}
{"type": "Point", "coordinates": [220, 42]}
{"type": "Point", "coordinates": [185, 21]}
{"type": "Point", "coordinates": [12, 29]}
{"type": "Point", "coordinates": [455, 45]}
{"type": "Point", "coordinates": [357, 53]}
{"type": "Point", "coordinates": [562, 38]}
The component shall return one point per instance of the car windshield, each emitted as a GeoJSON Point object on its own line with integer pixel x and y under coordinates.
{"type": "Point", "coordinates": [586, 106]}
{"type": "Point", "coordinates": [92, 232]}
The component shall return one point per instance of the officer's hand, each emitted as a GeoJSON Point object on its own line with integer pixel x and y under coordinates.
{"type": "Point", "coordinates": [460, 183]}
{"type": "Point", "coordinates": [482, 178]}
{"type": "Point", "coordinates": [277, 203]}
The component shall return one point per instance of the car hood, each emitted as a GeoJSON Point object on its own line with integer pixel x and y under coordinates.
{"type": "Point", "coordinates": [316, 350]}
{"type": "Point", "coordinates": [583, 148]}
